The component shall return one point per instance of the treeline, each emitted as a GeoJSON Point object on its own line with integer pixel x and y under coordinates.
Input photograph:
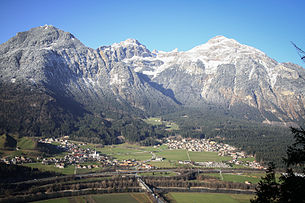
{"type": "Point", "coordinates": [15, 188]}
{"type": "Point", "coordinates": [192, 179]}
{"type": "Point", "coordinates": [188, 184]}
{"type": "Point", "coordinates": [98, 130]}
{"type": "Point", "coordinates": [74, 185]}
{"type": "Point", "coordinates": [291, 184]}
{"type": "Point", "coordinates": [40, 112]}
{"type": "Point", "coordinates": [33, 111]}
{"type": "Point", "coordinates": [69, 193]}
{"type": "Point", "coordinates": [266, 142]}
{"type": "Point", "coordinates": [60, 185]}
{"type": "Point", "coordinates": [10, 173]}
{"type": "Point", "coordinates": [113, 184]}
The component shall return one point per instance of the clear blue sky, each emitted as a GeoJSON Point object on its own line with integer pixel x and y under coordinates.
{"type": "Point", "coordinates": [268, 25]}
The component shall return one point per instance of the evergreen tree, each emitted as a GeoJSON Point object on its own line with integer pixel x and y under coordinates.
{"type": "Point", "coordinates": [292, 188]}
{"type": "Point", "coordinates": [292, 185]}
{"type": "Point", "coordinates": [296, 152]}
{"type": "Point", "coordinates": [267, 189]}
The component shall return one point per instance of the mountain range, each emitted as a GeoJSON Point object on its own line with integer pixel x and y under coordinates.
{"type": "Point", "coordinates": [49, 80]}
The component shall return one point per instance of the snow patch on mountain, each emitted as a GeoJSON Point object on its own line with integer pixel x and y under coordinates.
{"type": "Point", "coordinates": [219, 72]}
{"type": "Point", "coordinates": [126, 43]}
{"type": "Point", "coordinates": [218, 50]}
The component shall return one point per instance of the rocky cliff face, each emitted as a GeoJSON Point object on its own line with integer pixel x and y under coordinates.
{"type": "Point", "coordinates": [226, 73]}
{"type": "Point", "coordinates": [127, 78]}
{"type": "Point", "coordinates": [53, 59]}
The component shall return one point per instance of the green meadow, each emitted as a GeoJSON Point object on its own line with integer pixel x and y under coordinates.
{"type": "Point", "coordinates": [173, 155]}
{"type": "Point", "coordinates": [126, 151]}
{"type": "Point", "coordinates": [158, 121]}
{"type": "Point", "coordinates": [254, 178]}
{"type": "Point", "coordinates": [67, 170]}
{"type": "Point", "coordinates": [208, 156]}
{"type": "Point", "coordinates": [180, 197]}
{"type": "Point", "coordinates": [27, 143]}
{"type": "Point", "coordinates": [109, 198]}
{"type": "Point", "coordinates": [143, 198]}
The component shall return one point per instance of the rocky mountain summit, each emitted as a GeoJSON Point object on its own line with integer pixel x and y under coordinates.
{"type": "Point", "coordinates": [49, 57]}
{"type": "Point", "coordinates": [49, 73]}
{"type": "Point", "coordinates": [226, 73]}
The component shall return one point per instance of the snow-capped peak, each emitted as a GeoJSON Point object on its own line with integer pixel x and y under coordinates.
{"type": "Point", "coordinates": [131, 41]}
{"type": "Point", "coordinates": [46, 26]}
{"type": "Point", "coordinates": [127, 42]}
{"type": "Point", "coordinates": [220, 38]}
{"type": "Point", "coordinates": [217, 43]}
{"type": "Point", "coordinates": [218, 50]}
{"type": "Point", "coordinates": [175, 50]}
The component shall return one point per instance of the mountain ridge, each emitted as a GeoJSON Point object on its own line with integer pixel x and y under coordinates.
{"type": "Point", "coordinates": [204, 61]}
{"type": "Point", "coordinates": [128, 79]}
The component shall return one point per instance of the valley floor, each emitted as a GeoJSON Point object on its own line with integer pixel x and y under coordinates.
{"type": "Point", "coordinates": [144, 198]}
{"type": "Point", "coordinates": [160, 171]}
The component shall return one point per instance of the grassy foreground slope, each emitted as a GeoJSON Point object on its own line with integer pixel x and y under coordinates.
{"type": "Point", "coordinates": [181, 197]}
{"type": "Point", "coordinates": [178, 197]}
{"type": "Point", "coordinates": [109, 198]}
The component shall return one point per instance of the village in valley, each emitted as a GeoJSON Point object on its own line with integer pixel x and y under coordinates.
{"type": "Point", "coordinates": [206, 145]}
{"type": "Point", "coordinates": [175, 164]}
{"type": "Point", "coordinates": [84, 156]}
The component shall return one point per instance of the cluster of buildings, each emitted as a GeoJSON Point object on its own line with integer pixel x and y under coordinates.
{"type": "Point", "coordinates": [251, 164]}
{"type": "Point", "coordinates": [16, 160]}
{"type": "Point", "coordinates": [76, 154]}
{"type": "Point", "coordinates": [199, 145]}
{"type": "Point", "coordinates": [84, 157]}
{"type": "Point", "coordinates": [80, 156]}
{"type": "Point", "coordinates": [133, 164]}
